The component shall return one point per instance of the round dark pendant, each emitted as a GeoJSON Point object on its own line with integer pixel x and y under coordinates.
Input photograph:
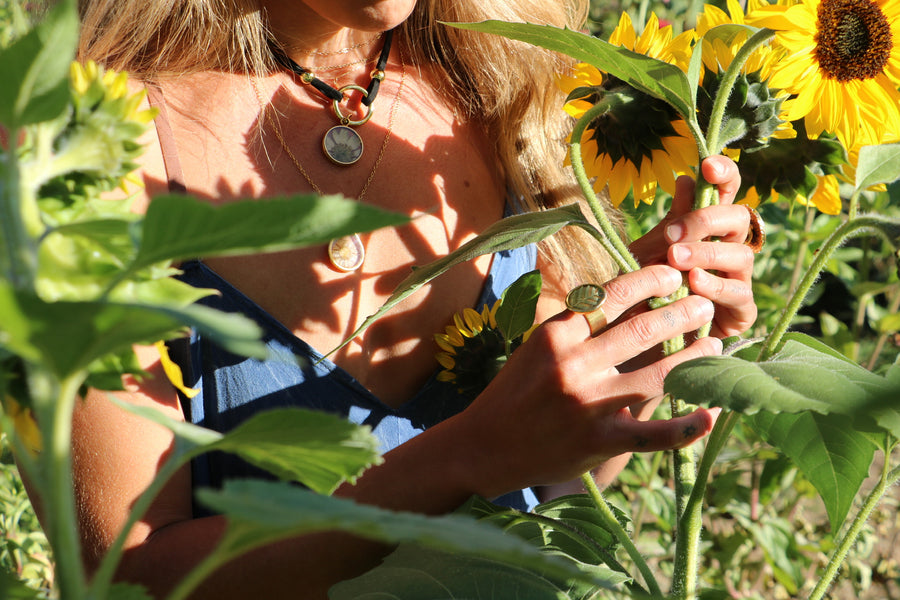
{"type": "Point", "coordinates": [342, 145]}
{"type": "Point", "coordinates": [347, 253]}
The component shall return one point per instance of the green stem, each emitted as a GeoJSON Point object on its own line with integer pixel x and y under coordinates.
{"type": "Point", "coordinates": [714, 144]}
{"type": "Point", "coordinates": [683, 463]}
{"type": "Point", "coordinates": [872, 224]}
{"type": "Point", "coordinates": [18, 254]}
{"type": "Point", "coordinates": [853, 209]}
{"type": "Point", "coordinates": [612, 241]}
{"type": "Point", "coordinates": [687, 542]}
{"type": "Point", "coordinates": [801, 251]}
{"type": "Point", "coordinates": [887, 479]}
{"type": "Point", "coordinates": [53, 401]}
{"type": "Point", "coordinates": [882, 339]}
{"type": "Point", "coordinates": [612, 524]}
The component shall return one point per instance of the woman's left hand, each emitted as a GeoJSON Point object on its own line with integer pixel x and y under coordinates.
{"type": "Point", "coordinates": [718, 270]}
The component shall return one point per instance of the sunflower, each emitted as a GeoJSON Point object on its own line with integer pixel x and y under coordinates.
{"type": "Point", "coordinates": [753, 103]}
{"type": "Point", "coordinates": [641, 140]}
{"type": "Point", "coordinates": [826, 196]}
{"type": "Point", "coordinates": [473, 349]}
{"type": "Point", "coordinates": [842, 65]}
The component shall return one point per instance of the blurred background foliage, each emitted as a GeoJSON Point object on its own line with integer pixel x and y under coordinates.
{"type": "Point", "coordinates": [761, 510]}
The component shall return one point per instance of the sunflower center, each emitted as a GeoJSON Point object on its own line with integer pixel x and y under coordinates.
{"type": "Point", "coordinates": [853, 39]}
{"type": "Point", "coordinates": [634, 127]}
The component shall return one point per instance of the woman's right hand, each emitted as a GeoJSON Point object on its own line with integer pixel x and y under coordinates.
{"type": "Point", "coordinates": [560, 407]}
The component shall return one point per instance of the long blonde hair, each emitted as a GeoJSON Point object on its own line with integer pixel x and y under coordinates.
{"type": "Point", "coordinates": [512, 94]}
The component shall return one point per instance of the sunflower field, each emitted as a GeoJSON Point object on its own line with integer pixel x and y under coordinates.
{"type": "Point", "coordinates": [793, 494]}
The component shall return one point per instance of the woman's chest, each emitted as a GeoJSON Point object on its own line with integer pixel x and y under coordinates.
{"type": "Point", "coordinates": [432, 168]}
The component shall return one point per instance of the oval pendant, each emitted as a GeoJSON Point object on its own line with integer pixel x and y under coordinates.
{"type": "Point", "coordinates": [347, 253]}
{"type": "Point", "coordinates": [342, 145]}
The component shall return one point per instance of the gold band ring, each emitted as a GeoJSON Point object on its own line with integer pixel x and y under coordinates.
{"type": "Point", "coordinates": [587, 299]}
{"type": "Point", "coordinates": [756, 233]}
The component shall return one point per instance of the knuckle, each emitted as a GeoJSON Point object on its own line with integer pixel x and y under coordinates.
{"type": "Point", "coordinates": [617, 291]}
{"type": "Point", "coordinates": [646, 327]}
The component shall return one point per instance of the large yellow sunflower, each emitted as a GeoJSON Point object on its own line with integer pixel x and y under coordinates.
{"type": "Point", "coordinates": [641, 142]}
{"type": "Point", "coordinates": [842, 65]}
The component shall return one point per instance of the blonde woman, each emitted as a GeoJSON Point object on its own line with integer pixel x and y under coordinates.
{"type": "Point", "coordinates": [464, 128]}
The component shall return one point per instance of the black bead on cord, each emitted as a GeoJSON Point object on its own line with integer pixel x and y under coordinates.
{"type": "Point", "coordinates": [327, 90]}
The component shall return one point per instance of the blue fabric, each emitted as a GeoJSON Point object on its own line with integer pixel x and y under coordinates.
{"type": "Point", "coordinates": [233, 388]}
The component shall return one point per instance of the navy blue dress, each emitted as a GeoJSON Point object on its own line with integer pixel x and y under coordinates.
{"type": "Point", "coordinates": [233, 388]}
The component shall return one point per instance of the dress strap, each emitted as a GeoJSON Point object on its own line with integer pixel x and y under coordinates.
{"type": "Point", "coordinates": [174, 174]}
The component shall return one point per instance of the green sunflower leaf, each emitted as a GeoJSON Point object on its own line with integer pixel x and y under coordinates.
{"type": "Point", "coordinates": [262, 512]}
{"type": "Point", "coordinates": [317, 449]}
{"type": "Point", "coordinates": [413, 572]}
{"type": "Point", "coordinates": [518, 305]}
{"type": "Point", "coordinates": [651, 76]}
{"type": "Point", "coordinates": [834, 458]}
{"type": "Point", "coordinates": [68, 337]}
{"type": "Point", "coordinates": [877, 164]}
{"type": "Point", "coordinates": [180, 227]}
{"type": "Point", "coordinates": [804, 375]}
{"type": "Point", "coordinates": [512, 232]}
{"type": "Point", "coordinates": [35, 67]}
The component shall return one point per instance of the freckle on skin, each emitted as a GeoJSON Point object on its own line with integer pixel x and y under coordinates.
{"type": "Point", "coordinates": [641, 442]}
{"type": "Point", "coordinates": [669, 318]}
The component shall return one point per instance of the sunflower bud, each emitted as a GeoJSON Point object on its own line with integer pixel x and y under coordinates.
{"type": "Point", "coordinates": [752, 114]}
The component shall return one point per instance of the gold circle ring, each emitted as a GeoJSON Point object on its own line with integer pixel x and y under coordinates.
{"type": "Point", "coordinates": [756, 232]}
{"type": "Point", "coordinates": [346, 120]}
{"type": "Point", "coordinates": [587, 299]}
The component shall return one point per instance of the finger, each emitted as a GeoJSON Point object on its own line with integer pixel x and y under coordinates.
{"type": "Point", "coordinates": [736, 311]}
{"type": "Point", "coordinates": [729, 259]}
{"type": "Point", "coordinates": [647, 382]}
{"type": "Point", "coordinates": [728, 222]}
{"type": "Point", "coordinates": [632, 435]}
{"type": "Point", "coordinates": [722, 172]}
{"type": "Point", "coordinates": [627, 339]}
{"type": "Point", "coordinates": [622, 293]}
{"type": "Point", "coordinates": [683, 200]}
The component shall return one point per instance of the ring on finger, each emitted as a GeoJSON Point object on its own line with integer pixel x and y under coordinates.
{"type": "Point", "coordinates": [756, 233]}
{"type": "Point", "coordinates": [587, 299]}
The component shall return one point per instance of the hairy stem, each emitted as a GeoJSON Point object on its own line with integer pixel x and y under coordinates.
{"type": "Point", "coordinates": [612, 241]}
{"type": "Point", "coordinates": [687, 545]}
{"type": "Point", "coordinates": [612, 524]}
{"type": "Point", "coordinates": [761, 37]}
{"type": "Point", "coordinates": [53, 401]}
{"type": "Point", "coordinates": [18, 249]}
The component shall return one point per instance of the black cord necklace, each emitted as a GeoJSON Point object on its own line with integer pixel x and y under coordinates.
{"type": "Point", "coordinates": [342, 144]}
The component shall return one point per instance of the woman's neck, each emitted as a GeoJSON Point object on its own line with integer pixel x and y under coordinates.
{"type": "Point", "coordinates": [307, 35]}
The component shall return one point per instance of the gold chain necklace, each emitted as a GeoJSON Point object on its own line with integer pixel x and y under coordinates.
{"type": "Point", "coordinates": [346, 253]}
{"type": "Point", "coordinates": [347, 50]}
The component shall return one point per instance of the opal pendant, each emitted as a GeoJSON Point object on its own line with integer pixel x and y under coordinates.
{"type": "Point", "coordinates": [347, 253]}
{"type": "Point", "coordinates": [342, 145]}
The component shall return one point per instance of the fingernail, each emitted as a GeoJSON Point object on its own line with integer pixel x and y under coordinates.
{"type": "Point", "coordinates": [674, 277]}
{"type": "Point", "coordinates": [674, 232]}
{"type": "Point", "coordinates": [707, 309]}
{"type": "Point", "coordinates": [681, 253]}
